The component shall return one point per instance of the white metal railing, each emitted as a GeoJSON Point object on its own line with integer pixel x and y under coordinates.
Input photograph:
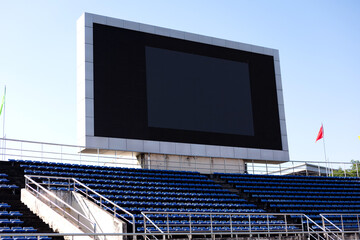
{"type": "Point", "coordinates": [147, 231]}
{"type": "Point", "coordinates": [328, 234]}
{"type": "Point", "coordinates": [287, 224]}
{"type": "Point", "coordinates": [57, 203]}
{"type": "Point", "coordinates": [72, 184]}
{"type": "Point", "coordinates": [103, 202]}
{"type": "Point", "coordinates": [50, 152]}
{"type": "Point", "coordinates": [145, 236]}
{"type": "Point", "coordinates": [341, 223]}
{"type": "Point", "coordinates": [330, 227]}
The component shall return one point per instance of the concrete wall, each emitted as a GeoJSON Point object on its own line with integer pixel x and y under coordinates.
{"type": "Point", "coordinates": [188, 163]}
{"type": "Point", "coordinates": [105, 222]}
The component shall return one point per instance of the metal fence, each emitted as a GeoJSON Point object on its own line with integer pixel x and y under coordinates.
{"type": "Point", "coordinates": [50, 152]}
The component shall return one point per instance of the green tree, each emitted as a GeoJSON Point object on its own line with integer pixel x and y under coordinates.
{"type": "Point", "coordinates": [353, 171]}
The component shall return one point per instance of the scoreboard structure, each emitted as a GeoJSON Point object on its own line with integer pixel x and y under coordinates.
{"type": "Point", "coordinates": [175, 98]}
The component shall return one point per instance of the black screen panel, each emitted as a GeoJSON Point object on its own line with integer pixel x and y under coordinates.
{"type": "Point", "coordinates": [131, 102]}
{"type": "Point", "coordinates": [198, 93]}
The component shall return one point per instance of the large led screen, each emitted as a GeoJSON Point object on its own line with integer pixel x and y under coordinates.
{"type": "Point", "coordinates": [152, 87]}
{"type": "Point", "coordinates": [198, 93]}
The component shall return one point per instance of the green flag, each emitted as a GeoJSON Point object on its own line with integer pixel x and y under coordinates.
{"type": "Point", "coordinates": [3, 102]}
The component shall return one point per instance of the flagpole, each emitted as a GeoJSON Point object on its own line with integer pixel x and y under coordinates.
{"type": "Point", "coordinates": [4, 141]}
{"type": "Point", "coordinates": [326, 162]}
{"type": "Point", "coordinates": [4, 114]}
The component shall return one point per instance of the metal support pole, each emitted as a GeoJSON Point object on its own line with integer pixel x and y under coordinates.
{"type": "Point", "coordinates": [268, 224]}
{"type": "Point", "coordinates": [266, 165]}
{"type": "Point", "coordinates": [167, 225]}
{"type": "Point", "coordinates": [231, 227]}
{"type": "Point", "coordinates": [211, 228]}
{"type": "Point", "coordinates": [253, 166]}
{"type": "Point", "coordinates": [280, 169]}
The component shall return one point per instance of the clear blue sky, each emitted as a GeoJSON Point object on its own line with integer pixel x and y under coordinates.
{"type": "Point", "coordinates": [319, 44]}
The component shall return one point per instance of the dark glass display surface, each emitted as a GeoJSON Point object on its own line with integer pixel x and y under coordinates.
{"type": "Point", "coordinates": [153, 87]}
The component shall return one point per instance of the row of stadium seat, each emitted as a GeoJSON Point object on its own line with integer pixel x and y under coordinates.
{"type": "Point", "coordinates": [117, 172]}
{"type": "Point", "coordinates": [4, 205]}
{"type": "Point", "coordinates": [185, 204]}
{"type": "Point", "coordinates": [8, 186]}
{"type": "Point", "coordinates": [296, 178]}
{"type": "Point", "coordinates": [25, 238]}
{"type": "Point", "coordinates": [292, 188]}
{"type": "Point", "coordinates": [214, 222]}
{"type": "Point", "coordinates": [10, 214]}
{"type": "Point", "coordinates": [205, 216]}
{"type": "Point", "coordinates": [154, 190]}
{"type": "Point", "coordinates": [5, 221]}
{"type": "Point", "coordinates": [84, 166]}
{"type": "Point", "coordinates": [179, 191]}
{"type": "Point", "coordinates": [220, 229]}
{"type": "Point", "coordinates": [115, 176]}
{"type": "Point", "coordinates": [120, 179]}
{"type": "Point", "coordinates": [325, 209]}
{"type": "Point", "coordinates": [197, 210]}
{"type": "Point", "coordinates": [317, 193]}
{"type": "Point", "coordinates": [279, 205]}
{"type": "Point", "coordinates": [291, 196]}
{"type": "Point", "coordinates": [175, 199]}
{"type": "Point", "coordinates": [17, 230]}
{"type": "Point", "coordinates": [289, 184]}
{"type": "Point", "coordinates": [270, 200]}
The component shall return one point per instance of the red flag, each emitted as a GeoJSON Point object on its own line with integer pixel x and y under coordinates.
{"type": "Point", "coordinates": [320, 134]}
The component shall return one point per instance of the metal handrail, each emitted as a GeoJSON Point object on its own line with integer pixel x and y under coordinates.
{"type": "Point", "coordinates": [146, 218]}
{"type": "Point", "coordinates": [28, 178]}
{"type": "Point", "coordinates": [310, 228]}
{"type": "Point", "coordinates": [115, 206]}
{"type": "Point", "coordinates": [142, 234]}
{"type": "Point", "coordinates": [74, 183]}
{"type": "Point", "coordinates": [308, 220]}
{"type": "Point", "coordinates": [341, 230]}
{"type": "Point", "coordinates": [323, 218]}
{"type": "Point", "coordinates": [326, 230]}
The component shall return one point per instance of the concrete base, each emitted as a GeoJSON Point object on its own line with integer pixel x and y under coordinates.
{"type": "Point", "coordinates": [204, 165]}
{"type": "Point", "coordinates": [51, 217]}
{"type": "Point", "coordinates": [104, 221]}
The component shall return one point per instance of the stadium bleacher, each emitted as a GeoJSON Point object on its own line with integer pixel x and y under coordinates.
{"type": "Point", "coordinates": [310, 195]}
{"type": "Point", "coordinates": [15, 217]}
{"type": "Point", "coordinates": [173, 200]}
{"type": "Point", "coordinates": [161, 192]}
{"type": "Point", "coordinates": [138, 190]}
